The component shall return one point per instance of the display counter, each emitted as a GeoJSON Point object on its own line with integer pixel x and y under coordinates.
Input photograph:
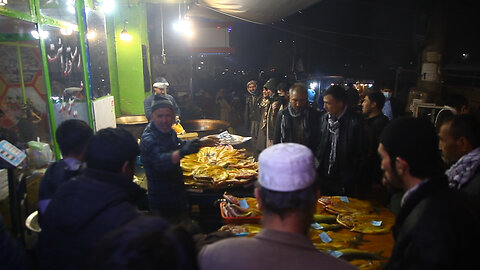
{"type": "Point", "coordinates": [354, 230]}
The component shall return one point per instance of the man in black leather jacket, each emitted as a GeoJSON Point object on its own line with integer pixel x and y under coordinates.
{"type": "Point", "coordinates": [342, 148]}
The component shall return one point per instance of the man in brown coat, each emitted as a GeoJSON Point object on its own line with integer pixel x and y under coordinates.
{"type": "Point", "coordinates": [251, 116]}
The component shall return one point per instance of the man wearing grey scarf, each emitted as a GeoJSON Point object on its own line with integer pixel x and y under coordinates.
{"type": "Point", "coordinates": [459, 142]}
{"type": "Point", "coordinates": [298, 123]}
{"type": "Point", "coordinates": [341, 151]}
{"type": "Point", "coordinates": [334, 129]}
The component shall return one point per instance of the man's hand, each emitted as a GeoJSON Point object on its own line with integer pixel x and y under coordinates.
{"type": "Point", "coordinates": [176, 156]}
{"type": "Point", "coordinates": [275, 105]}
{"type": "Point", "coordinates": [190, 147]}
{"type": "Point", "coordinates": [210, 140]}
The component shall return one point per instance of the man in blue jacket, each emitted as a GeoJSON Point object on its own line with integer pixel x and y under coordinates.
{"type": "Point", "coordinates": [72, 137]}
{"type": "Point", "coordinates": [92, 204]}
{"type": "Point", "coordinates": [161, 153]}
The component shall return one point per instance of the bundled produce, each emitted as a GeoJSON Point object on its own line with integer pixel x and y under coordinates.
{"type": "Point", "coordinates": [244, 229]}
{"type": "Point", "coordinates": [343, 204]}
{"type": "Point", "coordinates": [213, 167]}
{"type": "Point", "coordinates": [178, 128]}
{"type": "Point", "coordinates": [340, 226]}
{"type": "Point", "coordinates": [239, 207]}
{"type": "Point", "coordinates": [357, 215]}
{"type": "Point", "coordinates": [367, 223]}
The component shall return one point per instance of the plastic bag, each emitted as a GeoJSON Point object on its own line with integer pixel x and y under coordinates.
{"type": "Point", "coordinates": [40, 154]}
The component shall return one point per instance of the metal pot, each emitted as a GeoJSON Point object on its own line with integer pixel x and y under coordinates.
{"type": "Point", "coordinates": [132, 120]}
{"type": "Point", "coordinates": [205, 126]}
{"type": "Point", "coordinates": [135, 124]}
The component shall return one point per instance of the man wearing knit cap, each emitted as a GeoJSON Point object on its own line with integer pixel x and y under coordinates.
{"type": "Point", "coordinates": [160, 88]}
{"type": "Point", "coordinates": [161, 151]}
{"type": "Point", "coordinates": [266, 128]}
{"type": "Point", "coordinates": [286, 194]}
{"type": "Point", "coordinates": [251, 117]}
{"type": "Point", "coordinates": [437, 227]}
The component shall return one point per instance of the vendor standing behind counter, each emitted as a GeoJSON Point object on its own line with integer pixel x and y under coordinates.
{"type": "Point", "coordinates": [161, 151]}
{"type": "Point", "coordinates": [160, 88]}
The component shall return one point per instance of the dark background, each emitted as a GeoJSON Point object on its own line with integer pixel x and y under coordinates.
{"type": "Point", "coordinates": [360, 40]}
{"type": "Point", "coordinates": [366, 39]}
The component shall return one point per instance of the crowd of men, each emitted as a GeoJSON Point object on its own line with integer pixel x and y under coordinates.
{"type": "Point", "coordinates": [342, 138]}
{"type": "Point", "coordinates": [90, 206]}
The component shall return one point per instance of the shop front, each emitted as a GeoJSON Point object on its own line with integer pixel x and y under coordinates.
{"type": "Point", "coordinates": [63, 60]}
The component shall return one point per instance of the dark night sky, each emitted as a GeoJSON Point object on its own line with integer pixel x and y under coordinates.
{"type": "Point", "coordinates": [354, 38]}
{"type": "Point", "coordinates": [359, 39]}
{"type": "Point", "coordinates": [338, 36]}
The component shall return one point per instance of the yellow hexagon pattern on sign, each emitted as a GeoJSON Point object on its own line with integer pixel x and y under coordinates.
{"type": "Point", "coordinates": [39, 84]}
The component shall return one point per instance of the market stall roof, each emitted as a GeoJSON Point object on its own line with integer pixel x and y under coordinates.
{"type": "Point", "coordinates": [261, 12]}
{"type": "Point", "coordinates": [255, 11]}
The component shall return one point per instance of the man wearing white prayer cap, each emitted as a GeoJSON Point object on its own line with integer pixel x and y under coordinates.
{"type": "Point", "coordinates": [286, 195]}
{"type": "Point", "coordinates": [160, 88]}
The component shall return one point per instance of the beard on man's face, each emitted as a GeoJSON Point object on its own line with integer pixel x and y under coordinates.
{"type": "Point", "coordinates": [392, 183]}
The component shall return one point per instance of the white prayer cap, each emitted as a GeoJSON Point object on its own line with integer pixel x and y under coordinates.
{"type": "Point", "coordinates": [286, 167]}
{"type": "Point", "coordinates": [161, 83]}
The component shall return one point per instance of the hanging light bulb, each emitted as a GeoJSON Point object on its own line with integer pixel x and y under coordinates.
{"type": "Point", "coordinates": [34, 33]}
{"type": "Point", "coordinates": [91, 35]}
{"type": "Point", "coordinates": [124, 35]}
{"type": "Point", "coordinates": [66, 31]}
{"type": "Point", "coordinates": [42, 34]}
{"type": "Point", "coordinates": [188, 33]}
{"type": "Point", "coordinates": [71, 6]}
{"type": "Point", "coordinates": [183, 25]}
{"type": "Point", "coordinates": [108, 6]}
